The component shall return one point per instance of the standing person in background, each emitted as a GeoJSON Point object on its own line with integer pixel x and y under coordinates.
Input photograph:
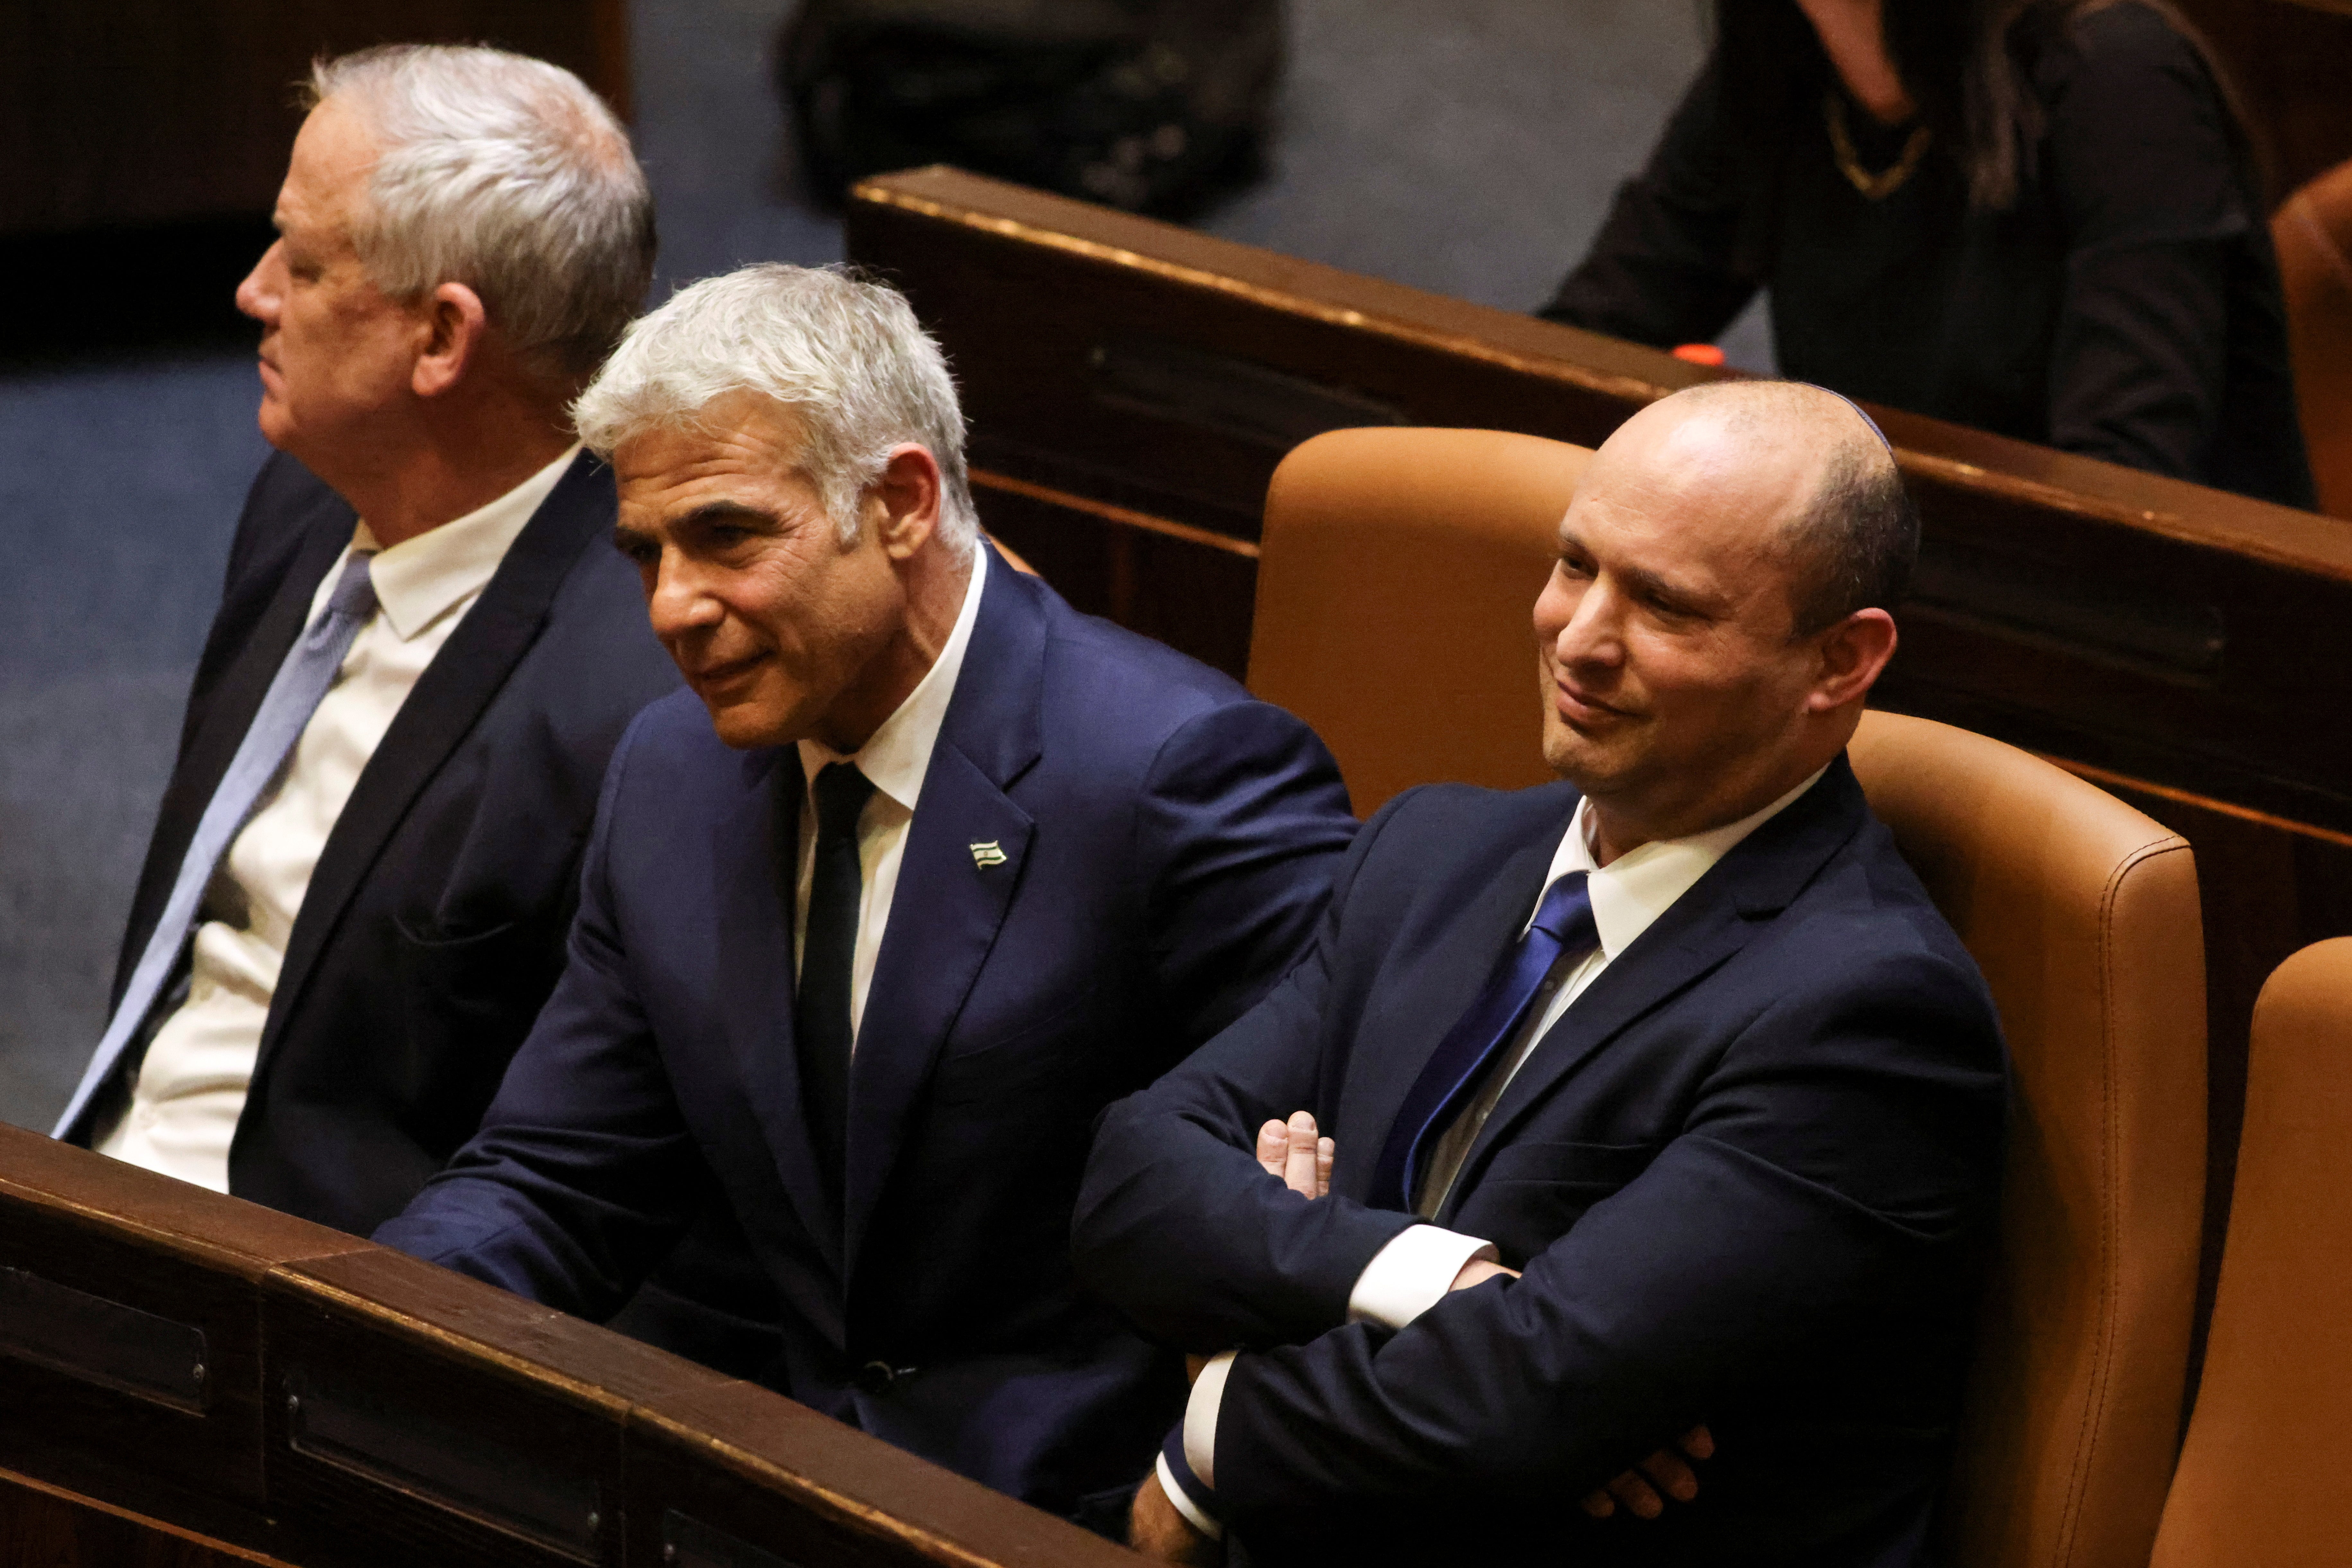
{"type": "Point", "coordinates": [367, 858]}
{"type": "Point", "coordinates": [2039, 218]}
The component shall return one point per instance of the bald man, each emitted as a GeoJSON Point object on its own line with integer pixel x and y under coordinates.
{"type": "Point", "coordinates": [1656, 1096]}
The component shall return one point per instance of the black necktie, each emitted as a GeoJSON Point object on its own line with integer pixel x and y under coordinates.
{"type": "Point", "coordinates": [1563, 922]}
{"type": "Point", "coordinates": [821, 1027]}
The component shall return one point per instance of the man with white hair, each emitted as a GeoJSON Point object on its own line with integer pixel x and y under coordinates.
{"type": "Point", "coordinates": [356, 895]}
{"type": "Point", "coordinates": [958, 867]}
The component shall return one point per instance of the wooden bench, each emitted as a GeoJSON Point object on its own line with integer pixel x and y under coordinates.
{"type": "Point", "coordinates": [188, 1378]}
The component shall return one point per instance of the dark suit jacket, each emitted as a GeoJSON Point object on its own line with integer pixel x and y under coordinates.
{"type": "Point", "coordinates": [1749, 1175]}
{"type": "Point", "coordinates": [1168, 844]}
{"type": "Point", "coordinates": [434, 926]}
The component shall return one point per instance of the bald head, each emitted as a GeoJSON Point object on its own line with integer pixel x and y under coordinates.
{"type": "Point", "coordinates": [1847, 532]}
{"type": "Point", "coordinates": [1720, 607]}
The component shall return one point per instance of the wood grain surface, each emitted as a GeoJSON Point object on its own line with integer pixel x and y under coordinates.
{"type": "Point", "coordinates": [368, 1410]}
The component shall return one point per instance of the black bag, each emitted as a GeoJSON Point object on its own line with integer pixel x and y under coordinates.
{"type": "Point", "coordinates": [1149, 105]}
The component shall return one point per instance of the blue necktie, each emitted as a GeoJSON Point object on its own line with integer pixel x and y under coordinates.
{"type": "Point", "coordinates": [1563, 923]}
{"type": "Point", "coordinates": [301, 681]}
{"type": "Point", "coordinates": [821, 1029]}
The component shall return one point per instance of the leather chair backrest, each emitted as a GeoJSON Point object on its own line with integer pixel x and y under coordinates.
{"type": "Point", "coordinates": [2263, 1475]}
{"type": "Point", "coordinates": [2083, 915]}
{"type": "Point", "coordinates": [1397, 577]}
{"type": "Point", "coordinates": [1397, 580]}
{"type": "Point", "coordinates": [2312, 232]}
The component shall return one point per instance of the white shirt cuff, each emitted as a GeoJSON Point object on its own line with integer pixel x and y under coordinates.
{"type": "Point", "coordinates": [1405, 1279]}
{"type": "Point", "coordinates": [1200, 1419]}
{"type": "Point", "coordinates": [1185, 1505]}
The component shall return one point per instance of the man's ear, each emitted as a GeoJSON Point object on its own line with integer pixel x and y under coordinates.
{"type": "Point", "coordinates": [905, 501]}
{"type": "Point", "coordinates": [1854, 652]}
{"type": "Point", "coordinates": [453, 326]}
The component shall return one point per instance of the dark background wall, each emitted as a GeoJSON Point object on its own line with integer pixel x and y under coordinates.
{"type": "Point", "coordinates": [1468, 148]}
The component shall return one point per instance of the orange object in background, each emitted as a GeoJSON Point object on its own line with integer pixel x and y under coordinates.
{"type": "Point", "coordinates": [2314, 234]}
{"type": "Point", "coordinates": [1701, 354]}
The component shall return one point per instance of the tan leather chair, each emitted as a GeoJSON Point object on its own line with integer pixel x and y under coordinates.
{"type": "Point", "coordinates": [1395, 590]}
{"type": "Point", "coordinates": [2312, 232]}
{"type": "Point", "coordinates": [2266, 1475]}
{"type": "Point", "coordinates": [2082, 915]}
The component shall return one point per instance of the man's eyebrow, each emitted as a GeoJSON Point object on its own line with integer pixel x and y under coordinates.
{"type": "Point", "coordinates": [1655, 585]}
{"type": "Point", "coordinates": [726, 510]}
{"type": "Point", "coordinates": [1651, 585]}
{"type": "Point", "coordinates": [628, 540]}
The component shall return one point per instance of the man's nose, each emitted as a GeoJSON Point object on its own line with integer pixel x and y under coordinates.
{"type": "Point", "coordinates": [1592, 633]}
{"type": "Point", "coordinates": [677, 599]}
{"type": "Point", "coordinates": [258, 295]}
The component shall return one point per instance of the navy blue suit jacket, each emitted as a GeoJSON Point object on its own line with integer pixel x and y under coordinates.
{"type": "Point", "coordinates": [1749, 1175]}
{"type": "Point", "coordinates": [434, 924]}
{"type": "Point", "coordinates": [1167, 845]}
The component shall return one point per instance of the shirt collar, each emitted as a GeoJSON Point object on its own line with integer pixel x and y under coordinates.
{"type": "Point", "coordinates": [899, 754]}
{"type": "Point", "coordinates": [420, 580]}
{"type": "Point", "coordinates": [1631, 892]}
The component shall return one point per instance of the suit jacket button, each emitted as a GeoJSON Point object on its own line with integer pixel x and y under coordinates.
{"type": "Point", "coordinates": [876, 1377]}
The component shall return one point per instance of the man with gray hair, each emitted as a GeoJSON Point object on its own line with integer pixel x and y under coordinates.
{"type": "Point", "coordinates": [357, 892]}
{"type": "Point", "coordinates": [958, 867]}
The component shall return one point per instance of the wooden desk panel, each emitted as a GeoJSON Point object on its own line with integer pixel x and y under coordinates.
{"type": "Point", "coordinates": [368, 1410]}
{"type": "Point", "coordinates": [730, 1465]}
{"type": "Point", "coordinates": [414, 1416]}
{"type": "Point", "coordinates": [46, 1527]}
{"type": "Point", "coordinates": [104, 1418]}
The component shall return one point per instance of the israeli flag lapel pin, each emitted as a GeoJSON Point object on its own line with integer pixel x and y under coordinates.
{"type": "Point", "coordinates": [986, 854]}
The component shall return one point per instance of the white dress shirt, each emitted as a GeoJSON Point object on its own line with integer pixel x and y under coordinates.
{"type": "Point", "coordinates": [894, 760]}
{"type": "Point", "coordinates": [191, 1088]}
{"type": "Point", "coordinates": [1413, 1272]}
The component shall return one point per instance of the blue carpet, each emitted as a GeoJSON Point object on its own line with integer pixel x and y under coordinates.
{"type": "Point", "coordinates": [1468, 148]}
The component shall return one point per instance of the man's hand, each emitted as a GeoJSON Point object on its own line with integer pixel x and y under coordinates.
{"type": "Point", "coordinates": [1291, 1150]}
{"type": "Point", "coordinates": [1155, 1529]}
{"type": "Point", "coordinates": [1665, 1472]}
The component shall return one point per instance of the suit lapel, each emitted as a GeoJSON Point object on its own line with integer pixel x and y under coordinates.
{"type": "Point", "coordinates": [949, 906]}
{"type": "Point", "coordinates": [448, 698]}
{"type": "Point", "coordinates": [1719, 915]}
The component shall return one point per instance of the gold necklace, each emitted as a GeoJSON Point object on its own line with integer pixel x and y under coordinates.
{"type": "Point", "coordinates": [1879, 186]}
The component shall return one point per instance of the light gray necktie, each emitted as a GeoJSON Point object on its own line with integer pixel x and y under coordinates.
{"type": "Point", "coordinates": [309, 670]}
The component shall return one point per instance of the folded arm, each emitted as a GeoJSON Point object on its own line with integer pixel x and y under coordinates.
{"type": "Point", "coordinates": [1177, 1221]}
{"type": "Point", "coordinates": [1834, 1177]}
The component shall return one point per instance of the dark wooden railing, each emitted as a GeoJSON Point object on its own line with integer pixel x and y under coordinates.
{"type": "Point", "coordinates": [187, 1378]}
{"type": "Point", "coordinates": [1132, 386]}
